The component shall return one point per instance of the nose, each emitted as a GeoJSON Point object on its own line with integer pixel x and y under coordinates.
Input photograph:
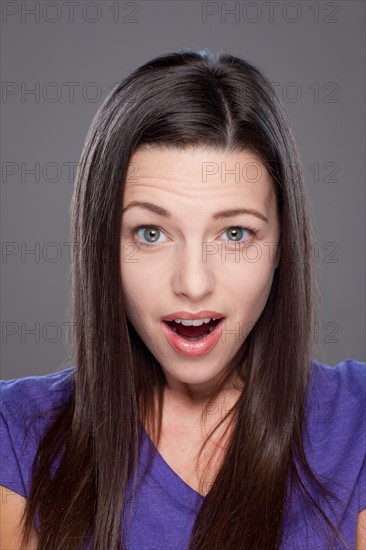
{"type": "Point", "coordinates": [193, 275]}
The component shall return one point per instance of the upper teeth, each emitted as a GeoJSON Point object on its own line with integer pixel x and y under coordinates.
{"type": "Point", "coordinates": [193, 322]}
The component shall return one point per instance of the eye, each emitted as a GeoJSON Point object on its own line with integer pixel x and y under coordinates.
{"type": "Point", "coordinates": [150, 232]}
{"type": "Point", "coordinates": [237, 232]}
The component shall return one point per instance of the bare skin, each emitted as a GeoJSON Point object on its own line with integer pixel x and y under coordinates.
{"type": "Point", "coordinates": [183, 433]}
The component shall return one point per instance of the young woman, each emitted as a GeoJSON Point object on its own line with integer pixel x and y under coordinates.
{"type": "Point", "coordinates": [192, 415]}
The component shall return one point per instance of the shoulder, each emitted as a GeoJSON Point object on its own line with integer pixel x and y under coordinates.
{"type": "Point", "coordinates": [347, 368]}
{"type": "Point", "coordinates": [338, 386]}
{"type": "Point", "coordinates": [334, 444]}
{"type": "Point", "coordinates": [27, 406]}
{"type": "Point", "coordinates": [34, 393]}
{"type": "Point", "coordinates": [34, 385]}
{"type": "Point", "coordinates": [337, 396]}
{"type": "Point", "coordinates": [336, 423]}
{"type": "Point", "coordinates": [29, 402]}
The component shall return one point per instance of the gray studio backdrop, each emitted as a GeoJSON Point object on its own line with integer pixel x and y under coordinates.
{"type": "Point", "coordinates": [60, 60]}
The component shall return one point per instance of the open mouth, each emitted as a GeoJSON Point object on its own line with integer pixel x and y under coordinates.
{"type": "Point", "coordinates": [193, 333]}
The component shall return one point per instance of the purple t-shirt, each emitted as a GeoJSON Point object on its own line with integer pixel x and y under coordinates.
{"type": "Point", "coordinates": [165, 506]}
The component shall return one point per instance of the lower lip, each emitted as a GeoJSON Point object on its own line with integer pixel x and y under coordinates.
{"type": "Point", "coordinates": [193, 348]}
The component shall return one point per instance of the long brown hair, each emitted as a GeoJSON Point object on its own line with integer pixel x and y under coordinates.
{"type": "Point", "coordinates": [179, 100]}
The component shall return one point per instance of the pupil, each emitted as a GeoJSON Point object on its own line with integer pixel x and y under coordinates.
{"type": "Point", "coordinates": [235, 231]}
{"type": "Point", "coordinates": [149, 231]}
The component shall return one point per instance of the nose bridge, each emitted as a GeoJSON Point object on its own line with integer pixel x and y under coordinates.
{"type": "Point", "coordinates": [193, 275]}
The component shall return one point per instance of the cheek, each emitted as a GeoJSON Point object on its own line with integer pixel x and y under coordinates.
{"type": "Point", "coordinates": [138, 289]}
{"type": "Point", "coordinates": [251, 286]}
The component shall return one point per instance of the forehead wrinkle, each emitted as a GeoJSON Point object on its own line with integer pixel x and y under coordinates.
{"type": "Point", "coordinates": [238, 196]}
{"type": "Point", "coordinates": [177, 163]}
{"type": "Point", "coordinates": [171, 184]}
{"type": "Point", "coordinates": [172, 178]}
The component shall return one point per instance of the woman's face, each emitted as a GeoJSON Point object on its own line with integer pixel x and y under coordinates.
{"type": "Point", "coordinates": [188, 258]}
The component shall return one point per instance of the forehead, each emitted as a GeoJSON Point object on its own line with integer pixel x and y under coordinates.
{"type": "Point", "coordinates": [198, 172]}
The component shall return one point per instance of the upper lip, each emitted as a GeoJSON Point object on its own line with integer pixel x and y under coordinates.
{"type": "Point", "coordinates": [188, 315]}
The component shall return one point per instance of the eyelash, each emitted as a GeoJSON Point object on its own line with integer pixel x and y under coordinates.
{"type": "Point", "coordinates": [251, 230]}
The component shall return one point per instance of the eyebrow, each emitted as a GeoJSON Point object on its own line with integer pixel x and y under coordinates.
{"type": "Point", "coordinates": [218, 216]}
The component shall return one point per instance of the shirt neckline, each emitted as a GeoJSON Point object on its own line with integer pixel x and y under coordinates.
{"type": "Point", "coordinates": [169, 480]}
